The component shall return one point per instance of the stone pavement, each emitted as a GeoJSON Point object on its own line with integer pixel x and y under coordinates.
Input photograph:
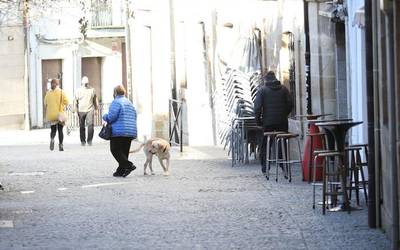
{"type": "Point", "coordinates": [69, 200]}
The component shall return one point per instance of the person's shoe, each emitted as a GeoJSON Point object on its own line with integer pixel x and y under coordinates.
{"type": "Point", "coordinates": [129, 170]}
{"type": "Point", "coordinates": [89, 143]}
{"type": "Point", "coordinates": [61, 147]}
{"type": "Point", "coordinates": [117, 174]}
{"type": "Point", "coordinates": [52, 144]}
{"type": "Point", "coordinates": [83, 143]}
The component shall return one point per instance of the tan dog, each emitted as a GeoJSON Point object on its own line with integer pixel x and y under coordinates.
{"type": "Point", "coordinates": [159, 147]}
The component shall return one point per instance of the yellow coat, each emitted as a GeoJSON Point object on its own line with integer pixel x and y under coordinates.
{"type": "Point", "coordinates": [54, 103]}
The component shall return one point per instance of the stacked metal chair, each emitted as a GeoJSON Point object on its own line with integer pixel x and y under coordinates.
{"type": "Point", "coordinates": [239, 130]}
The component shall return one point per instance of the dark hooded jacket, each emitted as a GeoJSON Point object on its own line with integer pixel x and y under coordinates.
{"type": "Point", "coordinates": [273, 104]}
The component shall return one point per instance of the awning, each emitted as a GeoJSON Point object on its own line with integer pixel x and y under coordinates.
{"type": "Point", "coordinates": [359, 18]}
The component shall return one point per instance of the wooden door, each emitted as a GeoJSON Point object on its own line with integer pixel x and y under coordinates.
{"type": "Point", "coordinates": [50, 69]}
{"type": "Point", "coordinates": [91, 67]}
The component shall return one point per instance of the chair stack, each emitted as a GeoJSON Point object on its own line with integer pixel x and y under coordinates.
{"type": "Point", "coordinates": [234, 102]}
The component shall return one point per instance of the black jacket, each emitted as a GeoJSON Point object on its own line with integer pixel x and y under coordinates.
{"type": "Point", "coordinates": [273, 104]}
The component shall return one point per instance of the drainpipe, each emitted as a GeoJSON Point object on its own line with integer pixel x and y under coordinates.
{"type": "Point", "coordinates": [27, 118]}
{"type": "Point", "coordinates": [392, 120]}
{"type": "Point", "coordinates": [129, 71]}
{"type": "Point", "coordinates": [172, 50]}
{"type": "Point", "coordinates": [369, 60]}
{"type": "Point", "coordinates": [307, 57]}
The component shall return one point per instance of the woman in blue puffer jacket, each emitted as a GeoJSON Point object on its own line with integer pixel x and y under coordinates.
{"type": "Point", "coordinates": [122, 117]}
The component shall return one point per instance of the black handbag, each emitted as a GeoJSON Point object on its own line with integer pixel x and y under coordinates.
{"type": "Point", "coordinates": [105, 132]}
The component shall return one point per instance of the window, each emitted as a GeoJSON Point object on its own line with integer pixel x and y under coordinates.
{"type": "Point", "coordinates": [107, 13]}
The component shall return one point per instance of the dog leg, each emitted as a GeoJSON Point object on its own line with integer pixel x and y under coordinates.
{"type": "Point", "coordinates": [167, 163]}
{"type": "Point", "coordinates": [163, 166]}
{"type": "Point", "coordinates": [145, 167]}
{"type": "Point", "coordinates": [151, 165]}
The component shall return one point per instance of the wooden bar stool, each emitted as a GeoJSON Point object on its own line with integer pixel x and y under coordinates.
{"type": "Point", "coordinates": [283, 141]}
{"type": "Point", "coordinates": [334, 179]}
{"type": "Point", "coordinates": [318, 154]}
{"type": "Point", "coordinates": [356, 170]}
{"type": "Point", "coordinates": [270, 146]}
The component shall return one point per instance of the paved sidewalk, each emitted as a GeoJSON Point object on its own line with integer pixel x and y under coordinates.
{"type": "Point", "coordinates": [69, 200]}
{"type": "Point", "coordinates": [40, 136]}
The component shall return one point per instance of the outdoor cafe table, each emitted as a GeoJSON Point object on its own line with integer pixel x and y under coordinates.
{"type": "Point", "coordinates": [339, 130]}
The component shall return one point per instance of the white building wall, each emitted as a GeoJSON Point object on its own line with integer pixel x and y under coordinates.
{"type": "Point", "coordinates": [356, 72]}
{"type": "Point", "coordinates": [111, 76]}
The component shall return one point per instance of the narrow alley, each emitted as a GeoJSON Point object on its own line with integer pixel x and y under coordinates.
{"type": "Point", "coordinates": [69, 200]}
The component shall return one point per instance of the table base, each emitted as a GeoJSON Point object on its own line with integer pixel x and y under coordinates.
{"type": "Point", "coordinates": [341, 208]}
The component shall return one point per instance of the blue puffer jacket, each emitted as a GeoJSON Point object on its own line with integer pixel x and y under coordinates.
{"type": "Point", "coordinates": [122, 117]}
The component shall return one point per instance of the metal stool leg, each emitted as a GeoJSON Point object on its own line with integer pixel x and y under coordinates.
{"type": "Point", "coordinates": [268, 155]}
{"type": "Point", "coordinates": [309, 159]}
{"type": "Point", "coordinates": [314, 178]}
{"type": "Point", "coordinates": [287, 159]}
{"type": "Point", "coordinates": [278, 143]}
{"type": "Point", "coordinates": [360, 168]}
{"type": "Point", "coordinates": [324, 182]}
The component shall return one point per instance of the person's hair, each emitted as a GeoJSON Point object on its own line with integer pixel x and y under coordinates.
{"type": "Point", "coordinates": [55, 80]}
{"type": "Point", "coordinates": [119, 90]}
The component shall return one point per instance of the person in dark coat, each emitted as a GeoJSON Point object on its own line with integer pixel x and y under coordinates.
{"type": "Point", "coordinates": [272, 107]}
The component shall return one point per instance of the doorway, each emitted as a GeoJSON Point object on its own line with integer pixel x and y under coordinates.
{"type": "Point", "coordinates": [91, 67]}
{"type": "Point", "coordinates": [50, 69]}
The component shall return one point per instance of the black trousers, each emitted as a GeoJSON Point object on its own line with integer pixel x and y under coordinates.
{"type": "Point", "coordinates": [86, 118]}
{"type": "Point", "coordinates": [263, 149]}
{"type": "Point", "coordinates": [119, 147]}
{"type": "Point", "coordinates": [54, 128]}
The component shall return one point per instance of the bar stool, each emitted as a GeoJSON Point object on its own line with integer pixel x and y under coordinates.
{"type": "Point", "coordinates": [333, 179]}
{"type": "Point", "coordinates": [318, 154]}
{"type": "Point", "coordinates": [271, 145]}
{"type": "Point", "coordinates": [313, 136]}
{"type": "Point", "coordinates": [283, 141]}
{"type": "Point", "coordinates": [356, 170]}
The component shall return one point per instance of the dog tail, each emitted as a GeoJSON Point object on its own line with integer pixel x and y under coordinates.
{"type": "Point", "coordinates": [137, 150]}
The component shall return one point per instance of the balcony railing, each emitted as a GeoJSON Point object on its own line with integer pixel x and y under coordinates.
{"type": "Point", "coordinates": [105, 13]}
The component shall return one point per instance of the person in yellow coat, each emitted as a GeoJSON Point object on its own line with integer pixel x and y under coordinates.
{"type": "Point", "coordinates": [55, 101]}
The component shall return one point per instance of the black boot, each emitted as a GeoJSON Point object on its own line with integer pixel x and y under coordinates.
{"type": "Point", "coordinates": [118, 172]}
{"type": "Point", "coordinates": [129, 170]}
{"type": "Point", "coordinates": [51, 144]}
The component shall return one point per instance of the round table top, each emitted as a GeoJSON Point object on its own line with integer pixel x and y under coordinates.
{"type": "Point", "coordinates": [330, 120]}
{"type": "Point", "coordinates": [338, 123]}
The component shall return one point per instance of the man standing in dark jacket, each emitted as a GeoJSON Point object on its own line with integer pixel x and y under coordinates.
{"type": "Point", "coordinates": [272, 107]}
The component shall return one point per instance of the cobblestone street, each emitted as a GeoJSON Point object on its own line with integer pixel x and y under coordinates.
{"type": "Point", "coordinates": [69, 200]}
